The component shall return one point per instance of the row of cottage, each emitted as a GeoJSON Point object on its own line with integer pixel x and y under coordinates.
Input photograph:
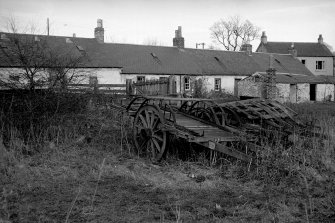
{"type": "Point", "coordinates": [298, 71]}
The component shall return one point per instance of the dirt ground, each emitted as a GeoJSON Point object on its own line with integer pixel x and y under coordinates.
{"type": "Point", "coordinates": [104, 181]}
{"type": "Point", "coordinates": [85, 184]}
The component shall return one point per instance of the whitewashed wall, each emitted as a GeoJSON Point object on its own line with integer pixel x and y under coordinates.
{"type": "Point", "coordinates": [303, 93]}
{"type": "Point", "coordinates": [310, 63]}
{"type": "Point", "coordinates": [283, 92]}
{"type": "Point", "coordinates": [227, 82]}
{"type": "Point", "coordinates": [325, 92]}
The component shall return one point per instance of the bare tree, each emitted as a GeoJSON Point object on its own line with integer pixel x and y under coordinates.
{"type": "Point", "coordinates": [233, 32]}
{"type": "Point", "coordinates": [33, 61]}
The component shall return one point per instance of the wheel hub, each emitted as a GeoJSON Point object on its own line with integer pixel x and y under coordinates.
{"type": "Point", "coordinates": [146, 132]}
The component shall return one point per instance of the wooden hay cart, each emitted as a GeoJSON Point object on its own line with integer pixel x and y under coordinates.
{"type": "Point", "coordinates": [199, 121]}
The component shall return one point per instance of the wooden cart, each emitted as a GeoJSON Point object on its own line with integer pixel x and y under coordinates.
{"type": "Point", "coordinates": [199, 121]}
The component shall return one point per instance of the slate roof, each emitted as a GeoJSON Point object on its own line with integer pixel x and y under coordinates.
{"type": "Point", "coordinates": [303, 49]}
{"type": "Point", "coordinates": [142, 59]}
{"type": "Point", "coordinates": [301, 79]}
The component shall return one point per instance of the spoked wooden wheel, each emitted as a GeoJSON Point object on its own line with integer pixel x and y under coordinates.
{"type": "Point", "coordinates": [202, 113]}
{"type": "Point", "coordinates": [149, 135]}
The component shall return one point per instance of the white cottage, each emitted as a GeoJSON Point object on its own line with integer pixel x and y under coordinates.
{"type": "Point", "coordinates": [113, 63]}
{"type": "Point", "coordinates": [315, 56]}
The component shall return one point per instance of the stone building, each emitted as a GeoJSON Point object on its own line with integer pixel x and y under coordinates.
{"type": "Point", "coordinates": [287, 87]}
{"type": "Point", "coordinates": [314, 55]}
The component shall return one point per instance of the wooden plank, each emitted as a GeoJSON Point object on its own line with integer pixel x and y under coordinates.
{"type": "Point", "coordinates": [239, 110]}
{"type": "Point", "coordinates": [227, 150]}
{"type": "Point", "coordinates": [113, 91]}
{"type": "Point", "coordinates": [271, 114]}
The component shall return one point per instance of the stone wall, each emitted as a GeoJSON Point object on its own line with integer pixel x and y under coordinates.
{"type": "Point", "coordinates": [251, 87]}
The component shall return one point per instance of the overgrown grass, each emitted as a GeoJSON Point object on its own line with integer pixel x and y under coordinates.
{"type": "Point", "coordinates": [86, 170]}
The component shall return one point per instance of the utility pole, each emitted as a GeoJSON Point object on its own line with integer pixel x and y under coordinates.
{"type": "Point", "coordinates": [199, 44]}
{"type": "Point", "coordinates": [48, 26]}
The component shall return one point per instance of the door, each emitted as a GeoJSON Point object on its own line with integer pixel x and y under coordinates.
{"type": "Point", "coordinates": [236, 86]}
{"type": "Point", "coordinates": [293, 93]}
{"type": "Point", "coordinates": [312, 92]}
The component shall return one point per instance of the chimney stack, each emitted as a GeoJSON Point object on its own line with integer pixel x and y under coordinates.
{"type": "Point", "coordinates": [99, 32]}
{"type": "Point", "coordinates": [178, 41]}
{"type": "Point", "coordinates": [320, 39]}
{"type": "Point", "coordinates": [247, 47]}
{"type": "Point", "coordinates": [292, 50]}
{"type": "Point", "coordinates": [264, 38]}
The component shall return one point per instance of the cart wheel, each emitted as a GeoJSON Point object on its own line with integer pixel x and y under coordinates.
{"type": "Point", "coordinates": [149, 136]}
{"type": "Point", "coordinates": [202, 113]}
{"type": "Point", "coordinates": [232, 117]}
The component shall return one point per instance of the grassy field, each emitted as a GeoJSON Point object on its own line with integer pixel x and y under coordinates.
{"type": "Point", "coordinates": [87, 171]}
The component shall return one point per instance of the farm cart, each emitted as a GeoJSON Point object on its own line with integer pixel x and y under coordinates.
{"type": "Point", "coordinates": [198, 121]}
{"type": "Point", "coordinates": [234, 128]}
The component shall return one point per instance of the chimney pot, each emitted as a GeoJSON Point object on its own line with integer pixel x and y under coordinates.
{"type": "Point", "coordinates": [178, 41]}
{"type": "Point", "coordinates": [264, 38]}
{"type": "Point", "coordinates": [292, 50]}
{"type": "Point", "coordinates": [320, 39]}
{"type": "Point", "coordinates": [99, 32]}
{"type": "Point", "coordinates": [99, 23]}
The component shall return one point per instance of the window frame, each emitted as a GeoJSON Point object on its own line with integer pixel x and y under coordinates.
{"type": "Point", "coordinates": [217, 86]}
{"type": "Point", "coordinates": [318, 63]}
{"type": "Point", "coordinates": [187, 84]}
{"type": "Point", "coordinates": [140, 78]}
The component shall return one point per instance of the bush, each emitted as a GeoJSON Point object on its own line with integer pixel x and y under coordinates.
{"type": "Point", "coordinates": [32, 116]}
{"type": "Point", "coordinates": [303, 173]}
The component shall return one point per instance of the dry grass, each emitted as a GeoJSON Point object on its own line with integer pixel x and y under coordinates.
{"type": "Point", "coordinates": [86, 172]}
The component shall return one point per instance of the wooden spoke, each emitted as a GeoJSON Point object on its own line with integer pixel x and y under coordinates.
{"type": "Point", "coordinates": [158, 138]}
{"type": "Point", "coordinates": [149, 137]}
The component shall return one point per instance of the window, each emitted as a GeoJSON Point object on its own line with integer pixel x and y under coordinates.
{"type": "Point", "coordinates": [303, 61]}
{"type": "Point", "coordinates": [187, 86]}
{"type": "Point", "coordinates": [320, 65]}
{"type": "Point", "coordinates": [163, 78]}
{"type": "Point", "coordinates": [217, 84]}
{"type": "Point", "coordinates": [93, 80]}
{"type": "Point", "coordinates": [140, 78]}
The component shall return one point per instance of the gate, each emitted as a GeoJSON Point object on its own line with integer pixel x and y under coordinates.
{"type": "Point", "coordinates": [163, 87]}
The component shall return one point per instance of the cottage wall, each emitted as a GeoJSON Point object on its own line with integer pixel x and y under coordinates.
{"type": "Point", "coordinates": [249, 87]}
{"type": "Point", "coordinates": [325, 92]}
{"type": "Point", "coordinates": [310, 63]}
{"type": "Point", "coordinates": [81, 73]}
{"type": "Point", "coordinates": [283, 92]}
{"type": "Point", "coordinates": [227, 82]}
{"type": "Point", "coordinates": [303, 93]}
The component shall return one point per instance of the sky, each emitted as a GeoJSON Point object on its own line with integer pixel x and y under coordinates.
{"type": "Point", "coordinates": [143, 21]}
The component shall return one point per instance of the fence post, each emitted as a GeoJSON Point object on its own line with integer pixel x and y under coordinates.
{"type": "Point", "coordinates": [170, 85]}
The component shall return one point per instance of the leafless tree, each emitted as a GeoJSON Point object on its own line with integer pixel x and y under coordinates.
{"type": "Point", "coordinates": [231, 33]}
{"type": "Point", "coordinates": [31, 61]}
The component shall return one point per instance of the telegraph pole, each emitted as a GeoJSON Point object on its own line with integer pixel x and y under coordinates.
{"type": "Point", "coordinates": [48, 26]}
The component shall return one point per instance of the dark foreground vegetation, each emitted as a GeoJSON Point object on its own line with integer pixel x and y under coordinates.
{"type": "Point", "coordinates": [62, 162]}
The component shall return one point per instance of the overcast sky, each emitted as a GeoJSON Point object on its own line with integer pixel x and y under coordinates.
{"type": "Point", "coordinates": [137, 21]}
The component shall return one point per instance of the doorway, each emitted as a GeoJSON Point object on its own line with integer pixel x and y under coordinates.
{"type": "Point", "coordinates": [236, 86]}
{"type": "Point", "coordinates": [312, 92]}
{"type": "Point", "coordinates": [293, 93]}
